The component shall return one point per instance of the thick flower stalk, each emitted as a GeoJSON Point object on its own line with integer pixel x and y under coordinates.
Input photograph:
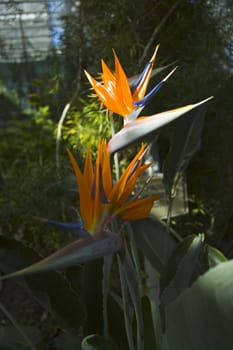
{"type": "Point", "coordinates": [101, 200]}
{"type": "Point", "coordinates": [119, 95]}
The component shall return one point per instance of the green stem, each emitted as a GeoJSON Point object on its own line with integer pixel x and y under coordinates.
{"type": "Point", "coordinates": [105, 288]}
{"type": "Point", "coordinates": [169, 211]}
{"type": "Point", "coordinates": [135, 257]}
{"type": "Point", "coordinates": [116, 160]}
{"type": "Point", "coordinates": [125, 302]}
{"type": "Point", "coordinates": [17, 326]}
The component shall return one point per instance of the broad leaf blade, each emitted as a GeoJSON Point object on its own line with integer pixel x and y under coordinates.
{"type": "Point", "coordinates": [214, 256]}
{"type": "Point", "coordinates": [202, 316]}
{"type": "Point", "coordinates": [136, 130]}
{"type": "Point", "coordinates": [132, 282]}
{"type": "Point", "coordinates": [185, 143]}
{"type": "Point", "coordinates": [155, 241]}
{"type": "Point", "coordinates": [126, 305]}
{"type": "Point", "coordinates": [149, 336]}
{"type": "Point", "coordinates": [180, 268]}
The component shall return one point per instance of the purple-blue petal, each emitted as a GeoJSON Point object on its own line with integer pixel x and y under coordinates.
{"type": "Point", "coordinates": [145, 100]}
{"type": "Point", "coordinates": [134, 86]}
{"type": "Point", "coordinates": [136, 164]}
{"type": "Point", "coordinates": [75, 227]}
{"type": "Point", "coordinates": [103, 196]}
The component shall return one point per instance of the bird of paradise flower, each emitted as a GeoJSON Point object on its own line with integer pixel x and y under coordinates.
{"type": "Point", "coordinates": [101, 201]}
{"type": "Point", "coordinates": [122, 96]}
{"type": "Point", "coordinates": [127, 98]}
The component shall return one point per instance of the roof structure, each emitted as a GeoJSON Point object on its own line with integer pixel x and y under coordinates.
{"type": "Point", "coordinates": [29, 29]}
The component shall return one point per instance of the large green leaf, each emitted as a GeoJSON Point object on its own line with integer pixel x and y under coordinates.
{"type": "Point", "coordinates": [185, 142]}
{"type": "Point", "coordinates": [202, 316]}
{"type": "Point", "coordinates": [153, 294]}
{"type": "Point", "coordinates": [149, 336]}
{"type": "Point", "coordinates": [155, 240]}
{"type": "Point", "coordinates": [133, 287]}
{"type": "Point", "coordinates": [180, 268]}
{"type": "Point", "coordinates": [51, 290]}
{"type": "Point", "coordinates": [213, 256]}
{"type": "Point", "coordinates": [126, 305]}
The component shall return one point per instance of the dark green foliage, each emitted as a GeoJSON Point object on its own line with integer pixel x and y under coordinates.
{"type": "Point", "coordinates": [29, 178]}
{"type": "Point", "coordinates": [96, 342]}
{"type": "Point", "coordinates": [185, 143]}
{"type": "Point", "coordinates": [48, 288]}
{"type": "Point", "coordinates": [202, 316]}
{"type": "Point", "coordinates": [11, 339]}
{"type": "Point", "coordinates": [155, 241]}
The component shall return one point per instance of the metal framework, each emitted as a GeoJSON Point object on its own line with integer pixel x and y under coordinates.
{"type": "Point", "coordinates": [29, 29]}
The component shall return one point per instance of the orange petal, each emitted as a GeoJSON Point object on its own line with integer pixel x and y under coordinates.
{"type": "Point", "coordinates": [124, 186]}
{"type": "Point", "coordinates": [107, 96]}
{"type": "Point", "coordinates": [122, 87]}
{"type": "Point", "coordinates": [86, 205]}
{"type": "Point", "coordinates": [140, 91]}
{"type": "Point", "coordinates": [106, 170]}
{"type": "Point", "coordinates": [138, 209]}
{"type": "Point", "coordinates": [108, 77]}
{"type": "Point", "coordinates": [88, 170]}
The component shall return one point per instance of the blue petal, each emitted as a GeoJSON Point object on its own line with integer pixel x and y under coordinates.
{"type": "Point", "coordinates": [104, 198]}
{"type": "Point", "coordinates": [75, 227]}
{"type": "Point", "coordinates": [134, 86]}
{"type": "Point", "coordinates": [136, 164]}
{"type": "Point", "coordinates": [144, 100]}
